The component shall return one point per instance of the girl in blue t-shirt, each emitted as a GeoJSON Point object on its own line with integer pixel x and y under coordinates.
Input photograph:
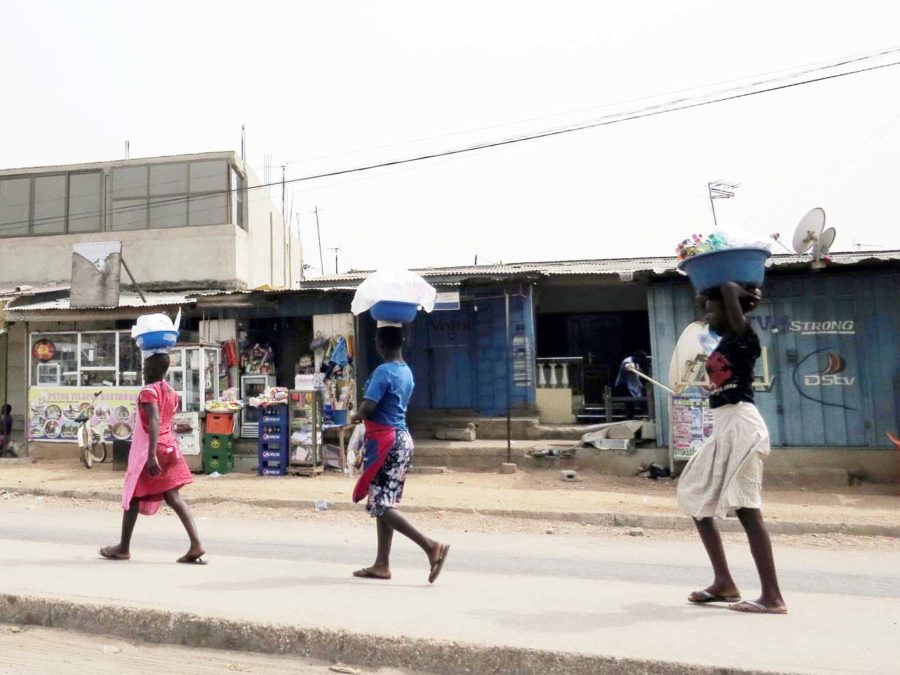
{"type": "Point", "coordinates": [388, 452]}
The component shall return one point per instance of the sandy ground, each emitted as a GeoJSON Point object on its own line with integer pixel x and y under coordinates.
{"type": "Point", "coordinates": [529, 492]}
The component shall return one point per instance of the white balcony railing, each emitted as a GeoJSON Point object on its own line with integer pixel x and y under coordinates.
{"type": "Point", "coordinates": [564, 372]}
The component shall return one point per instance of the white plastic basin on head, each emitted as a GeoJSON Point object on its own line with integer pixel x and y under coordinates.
{"type": "Point", "coordinates": [152, 323]}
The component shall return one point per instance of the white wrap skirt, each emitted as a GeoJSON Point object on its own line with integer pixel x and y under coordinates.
{"type": "Point", "coordinates": [726, 471]}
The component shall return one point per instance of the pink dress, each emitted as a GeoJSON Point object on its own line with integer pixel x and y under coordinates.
{"type": "Point", "coordinates": [139, 483]}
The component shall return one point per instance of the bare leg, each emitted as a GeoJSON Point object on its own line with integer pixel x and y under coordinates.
{"type": "Point", "coordinates": [761, 549]}
{"type": "Point", "coordinates": [386, 523]}
{"type": "Point", "coordinates": [381, 569]}
{"type": "Point", "coordinates": [122, 550]}
{"type": "Point", "coordinates": [396, 521]}
{"type": "Point", "coordinates": [723, 585]}
{"type": "Point", "coordinates": [385, 539]}
{"type": "Point", "coordinates": [180, 507]}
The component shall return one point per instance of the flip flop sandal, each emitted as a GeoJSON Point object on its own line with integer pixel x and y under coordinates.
{"type": "Point", "coordinates": [705, 596]}
{"type": "Point", "coordinates": [438, 564]}
{"type": "Point", "coordinates": [367, 573]}
{"type": "Point", "coordinates": [107, 554]}
{"type": "Point", "coordinates": [753, 607]}
{"type": "Point", "coordinates": [192, 559]}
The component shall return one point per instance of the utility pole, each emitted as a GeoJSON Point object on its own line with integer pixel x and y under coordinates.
{"type": "Point", "coordinates": [335, 249]}
{"type": "Point", "coordinates": [319, 235]}
{"type": "Point", "coordinates": [719, 189]}
{"type": "Point", "coordinates": [283, 197]}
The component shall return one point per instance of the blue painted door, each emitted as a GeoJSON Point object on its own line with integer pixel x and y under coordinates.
{"type": "Point", "coordinates": [450, 364]}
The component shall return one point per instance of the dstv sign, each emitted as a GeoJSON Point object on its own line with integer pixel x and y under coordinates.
{"type": "Point", "coordinates": [830, 375]}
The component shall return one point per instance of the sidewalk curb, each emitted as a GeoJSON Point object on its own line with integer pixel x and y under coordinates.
{"type": "Point", "coordinates": [604, 519]}
{"type": "Point", "coordinates": [192, 630]}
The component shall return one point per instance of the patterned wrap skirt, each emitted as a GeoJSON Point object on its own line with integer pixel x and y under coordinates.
{"type": "Point", "coordinates": [386, 487]}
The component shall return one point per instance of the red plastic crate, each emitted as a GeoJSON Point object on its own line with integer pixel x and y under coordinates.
{"type": "Point", "coordinates": [219, 423]}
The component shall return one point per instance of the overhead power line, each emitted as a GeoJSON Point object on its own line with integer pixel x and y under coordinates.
{"type": "Point", "coordinates": [770, 76]}
{"type": "Point", "coordinates": [775, 84]}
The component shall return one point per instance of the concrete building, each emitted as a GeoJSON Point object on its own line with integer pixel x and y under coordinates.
{"type": "Point", "coordinates": [189, 225]}
{"type": "Point", "coordinates": [185, 221]}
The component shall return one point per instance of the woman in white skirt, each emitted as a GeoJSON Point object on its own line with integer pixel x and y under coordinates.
{"type": "Point", "coordinates": [726, 472]}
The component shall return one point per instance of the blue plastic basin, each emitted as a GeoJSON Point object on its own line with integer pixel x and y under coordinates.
{"type": "Point", "coordinates": [159, 339]}
{"type": "Point", "coordinates": [391, 310]}
{"type": "Point", "coordinates": [745, 265]}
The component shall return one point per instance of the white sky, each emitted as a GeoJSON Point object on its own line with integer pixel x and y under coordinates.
{"type": "Point", "coordinates": [312, 79]}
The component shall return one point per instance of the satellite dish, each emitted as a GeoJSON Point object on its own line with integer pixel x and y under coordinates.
{"type": "Point", "coordinates": [808, 230]}
{"type": "Point", "coordinates": [826, 239]}
{"type": "Point", "coordinates": [687, 367]}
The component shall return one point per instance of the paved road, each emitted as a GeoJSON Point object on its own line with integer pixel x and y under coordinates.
{"type": "Point", "coordinates": [616, 596]}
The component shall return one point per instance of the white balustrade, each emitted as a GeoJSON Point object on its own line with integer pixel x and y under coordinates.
{"type": "Point", "coordinates": [549, 378]}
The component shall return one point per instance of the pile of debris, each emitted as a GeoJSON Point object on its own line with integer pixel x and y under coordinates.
{"type": "Point", "coordinates": [619, 435]}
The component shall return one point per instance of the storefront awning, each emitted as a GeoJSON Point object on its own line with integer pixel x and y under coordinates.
{"type": "Point", "coordinates": [57, 309]}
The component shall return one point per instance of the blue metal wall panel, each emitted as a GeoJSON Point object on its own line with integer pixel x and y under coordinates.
{"type": "Point", "coordinates": [459, 357]}
{"type": "Point", "coordinates": [833, 352]}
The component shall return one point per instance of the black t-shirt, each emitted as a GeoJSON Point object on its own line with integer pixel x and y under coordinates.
{"type": "Point", "coordinates": [730, 369]}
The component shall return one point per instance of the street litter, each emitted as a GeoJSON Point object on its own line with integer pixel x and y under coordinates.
{"type": "Point", "coordinates": [611, 436]}
{"type": "Point", "coordinates": [551, 452]}
{"type": "Point", "coordinates": [321, 505]}
{"type": "Point", "coordinates": [215, 474]}
{"type": "Point", "coordinates": [341, 668]}
{"type": "Point", "coordinates": [654, 471]}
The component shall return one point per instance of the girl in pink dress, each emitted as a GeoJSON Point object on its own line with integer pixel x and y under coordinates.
{"type": "Point", "coordinates": [156, 468]}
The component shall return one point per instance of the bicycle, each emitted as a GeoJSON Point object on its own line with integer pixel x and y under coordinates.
{"type": "Point", "coordinates": [93, 448]}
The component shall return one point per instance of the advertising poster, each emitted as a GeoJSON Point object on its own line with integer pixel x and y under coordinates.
{"type": "Point", "coordinates": [52, 412]}
{"type": "Point", "coordinates": [187, 430]}
{"type": "Point", "coordinates": [690, 420]}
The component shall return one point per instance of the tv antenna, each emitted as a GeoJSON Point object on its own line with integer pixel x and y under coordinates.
{"type": "Point", "coordinates": [719, 189]}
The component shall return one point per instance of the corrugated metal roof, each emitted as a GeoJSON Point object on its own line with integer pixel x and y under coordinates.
{"type": "Point", "coordinates": [126, 299]}
{"type": "Point", "coordinates": [25, 290]}
{"type": "Point", "coordinates": [654, 265]}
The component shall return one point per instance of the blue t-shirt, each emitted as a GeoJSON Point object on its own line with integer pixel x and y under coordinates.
{"type": "Point", "coordinates": [390, 386]}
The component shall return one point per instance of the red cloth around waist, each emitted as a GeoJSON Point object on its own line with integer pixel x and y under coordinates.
{"type": "Point", "coordinates": [380, 438]}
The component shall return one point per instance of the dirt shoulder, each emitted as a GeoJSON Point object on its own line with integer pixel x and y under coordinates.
{"type": "Point", "coordinates": [529, 493]}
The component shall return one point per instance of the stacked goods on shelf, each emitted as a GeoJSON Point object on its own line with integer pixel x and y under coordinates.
{"type": "Point", "coordinates": [305, 430]}
{"type": "Point", "coordinates": [273, 441]}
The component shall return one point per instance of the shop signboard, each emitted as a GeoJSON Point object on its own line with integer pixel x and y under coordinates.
{"type": "Point", "coordinates": [187, 431]}
{"type": "Point", "coordinates": [691, 423]}
{"type": "Point", "coordinates": [52, 412]}
{"type": "Point", "coordinates": [446, 300]}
